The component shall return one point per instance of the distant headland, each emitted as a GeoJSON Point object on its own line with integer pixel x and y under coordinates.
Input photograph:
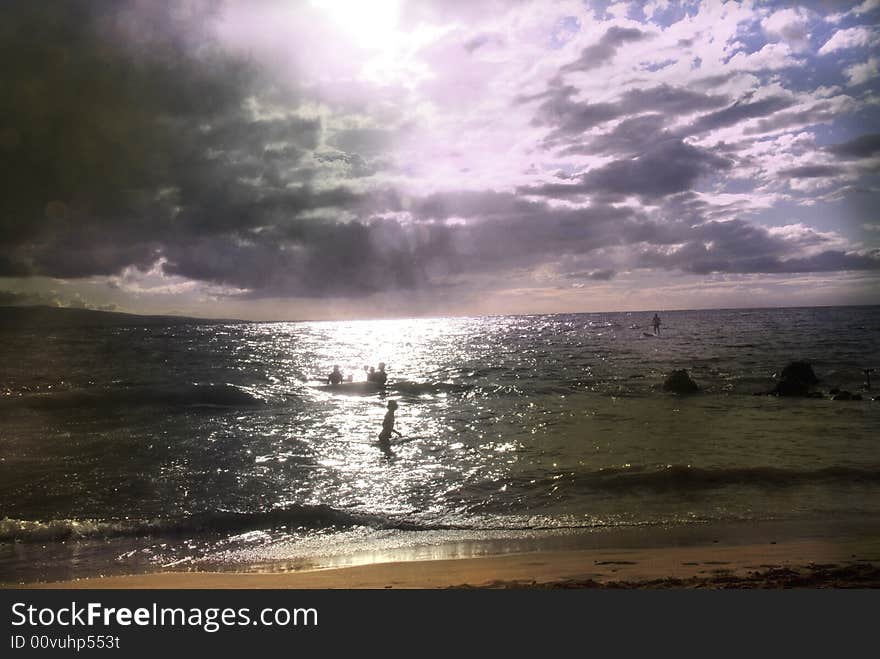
{"type": "Point", "coordinates": [62, 317]}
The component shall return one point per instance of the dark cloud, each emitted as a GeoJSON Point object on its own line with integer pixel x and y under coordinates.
{"type": "Point", "coordinates": [705, 247]}
{"type": "Point", "coordinates": [362, 141]}
{"type": "Point", "coordinates": [811, 171]}
{"type": "Point", "coordinates": [630, 137]}
{"type": "Point", "coordinates": [671, 101]}
{"type": "Point", "coordinates": [595, 275]}
{"type": "Point", "coordinates": [819, 113]}
{"type": "Point", "coordinates": [522, 234]}
{"type": "Point", "coordinates": [94, 130]}
{"type": "Point", "coordinates": [738, 247]}
{"type": "Point", "coordinates": [570, 118]}
{"type": "Point", "coordinates": [500, 231]}
{"type": "Point", "coordinates": [736, 113]}
{"type": "Point", "coordinates": [354, 165]}
{"type": "Point", "coordinates": [308, 259]}
{"type": "Point", "coordinates": [714, 81]}
{"type": "Point", "coordinates": [483, 39]}
{"type": "Point", "coordinates": [863, 146]}
{"type": "Point", "coordinates": [829, 261]}
{"type": "Point", "coordinates": [476, 205]}
{"type": "Point", "coordinates": [665, 169]}
{"type": "Point", "coordinates": [129, 136]}
{"type": "Point", "coordinates": [604, 50]}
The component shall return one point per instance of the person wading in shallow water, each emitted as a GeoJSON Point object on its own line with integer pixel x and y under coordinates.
{"type": "Point", "coordinates": [388, 424]}
{"type": "Point", "coordinates": [656, 324]}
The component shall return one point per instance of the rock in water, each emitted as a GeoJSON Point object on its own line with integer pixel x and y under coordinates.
{"type": "Point", "coordinates": [680, 382]}
{"type": "Point", "coordinates": [791, 388]}
{"type": "Point", "coordinates": [800, 372]}
{"type": "Point", "coordinates": [796, 380]}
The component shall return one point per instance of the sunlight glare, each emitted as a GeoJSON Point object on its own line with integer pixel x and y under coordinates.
{"type": "Point", "coordinates": [369, 24]}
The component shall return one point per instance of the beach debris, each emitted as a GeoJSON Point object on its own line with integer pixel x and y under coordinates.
{"type": "Point", "coordinates": [862, 574]}
{"type": "Point", "coordinates": [679, 382]}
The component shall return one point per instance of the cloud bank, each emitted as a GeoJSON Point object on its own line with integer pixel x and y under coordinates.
{"type": "Point", "coordinates": [278, 151]}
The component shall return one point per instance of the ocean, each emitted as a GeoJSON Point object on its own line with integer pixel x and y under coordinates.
{"type": "Point", "coordinates": [197, 445]}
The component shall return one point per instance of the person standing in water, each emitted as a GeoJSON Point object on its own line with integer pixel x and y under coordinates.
{"type": "Point", "coordinates": [388, 424]}
{"type": "Point", "coordinates": [656, 324]}
{"type": "Point", "coordinates": [335, 376]}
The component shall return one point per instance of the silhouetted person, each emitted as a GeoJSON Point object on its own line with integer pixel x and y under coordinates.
{"type": "Point", "coordinates": [335, 376]}
{"type": "Point", "coordinates": [371, 374]}
{"type": "Point", "coordinates": [388, 424]}
{"type": "Point", "coordinates": [656, 324]}
{"type": "Point", "coordinates": [380, 376]}
{"type": "Point", "coordinates": [385, 447]}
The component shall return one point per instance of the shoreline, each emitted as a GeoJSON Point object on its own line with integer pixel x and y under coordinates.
{"type": "Point", "coordinates": [802, 558]}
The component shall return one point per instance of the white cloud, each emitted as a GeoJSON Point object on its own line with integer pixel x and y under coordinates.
{"type": "Point", "coordinates": [806, 241]}
{"type": "Point", "coordinates": [854, 37]}
{"type": "Point", "coordinates": [866, 6]}
{"type": "Point", "coordinates": [861, 73]}
{"type": "Point", "coordinates": [655, 6]}
{"type": "Point", "coordinates": [771, 56]}
{"type": "Point", "coordinates": [790, 26]}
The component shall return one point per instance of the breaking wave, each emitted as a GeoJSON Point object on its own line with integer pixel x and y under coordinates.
{"type": "Point", "coordinates": [220, 522]}
{"type": "Point", "coordinates": [191, 395]}
{"type": "Point", "coordinates": [686, 477]}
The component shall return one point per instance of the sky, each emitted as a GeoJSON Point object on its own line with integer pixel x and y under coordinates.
{"type": "Point", "coordinates": [321, 159]}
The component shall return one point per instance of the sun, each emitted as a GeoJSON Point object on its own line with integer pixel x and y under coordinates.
{"type": "Point", "coordinates": [370, 24]}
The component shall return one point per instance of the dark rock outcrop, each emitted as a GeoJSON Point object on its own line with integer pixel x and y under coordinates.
{"type": "Point", "coordinates": [800, 372]}
{"type": "Point", "coordinates": [679, 382]}
{"type": "Point", "coordinates": [791, 388]}
{"type": "Point", "coordinates": [796, 380]}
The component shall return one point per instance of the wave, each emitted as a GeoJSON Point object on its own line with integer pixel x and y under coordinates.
{"type": "Point", "coordinates": [219, 522]}
{"type": "Point", "coordinates": [193, 395]}
{"type": "Point", "coordinates": [688, 478]}
{"type": "Point", "coordinates": [411, 388]}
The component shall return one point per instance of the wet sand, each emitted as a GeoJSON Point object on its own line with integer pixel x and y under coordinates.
{"type": "Point", "coordinates": [812, 563]}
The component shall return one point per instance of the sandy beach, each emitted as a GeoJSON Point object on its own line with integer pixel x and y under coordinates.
{"type": "Point", "coordinates": [806, 563]}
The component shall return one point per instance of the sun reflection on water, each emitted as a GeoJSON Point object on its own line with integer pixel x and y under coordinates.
{"type": "Point", "coordinates": [508, 422]}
